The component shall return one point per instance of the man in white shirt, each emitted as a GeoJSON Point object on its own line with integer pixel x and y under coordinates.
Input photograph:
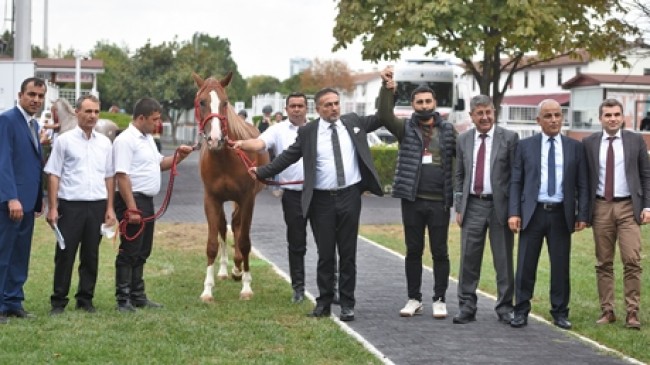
{"type": "Point", "coordinates": [80, 197]}
{"type": "Point", "coordinates": [277, 138]}
{"type": "Point", "coordinates": [137, 172]}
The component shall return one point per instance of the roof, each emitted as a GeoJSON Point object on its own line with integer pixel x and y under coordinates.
{"type": "Point", "coordinates": [582, 57]}
{"type": "Point", "coordinates": [599, 79]}
{"type": "Point", "coordinates": [67, 64]}
{"type": "Point", "coordinates": [534, 100]}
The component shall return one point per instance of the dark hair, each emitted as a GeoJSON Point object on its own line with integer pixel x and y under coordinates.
{"type": "Point", "coordinates": [243, 113]}
{"type": "Point", "coordinates": [37, 82]}
{"type": "Point", "coordinates": [321, 92]}
{"type": "Point", "coordinates": [146, 107]}
{"type": "Point", "coordinates": [85, 97]}
{"type": "Point", "coordinates": [422, 89]}
{"type": "Point", "coordinates": [295, 95]}
{"type": "Point", "coordinates": [609, 103]}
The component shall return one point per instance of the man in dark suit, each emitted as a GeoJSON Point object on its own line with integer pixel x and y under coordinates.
{"type": "Point", "coordinates": [619, 176]}
{"type": "Point", "coordinates": [21, 196]}
{"type": "Point", "coordinates": [484, 158]}
{"type": "Point", "coordinates": [548, 200]}
{"type": "Point", "coordinates": [331, 195]}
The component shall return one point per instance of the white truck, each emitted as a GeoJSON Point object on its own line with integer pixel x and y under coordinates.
{"type": "Point", "coordinates": [445, 78]}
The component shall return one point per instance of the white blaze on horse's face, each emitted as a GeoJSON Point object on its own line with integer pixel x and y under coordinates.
{"type": "Point", "coordinates": [215, 123]}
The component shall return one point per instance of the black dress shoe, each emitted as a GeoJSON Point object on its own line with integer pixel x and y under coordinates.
{"type": "Point", "coordinates": [19, 313]}
{"type": "Point", "coordinates": [347, 314]}
{"type": "Point", "coordinates": [55, 311]}
{"type": "Point", "coordinates": [89, 308]}
{"type": "Point", "coordinates": [146, 304]}
{"type": "Point", "coordinates": [464, 317]}
{"type": "Point", "coordinates": [505, 318]}
{"type": "Point", "coordinates": [520, 320]}
{"type": "Point", "coordinates": [125, 307]}
{"type": "Point", "coordinates": [320, 311]}
{"type": "Point", "coordinates": [298, 297]}
{"type": "Point", "coordinates": [562, 322]}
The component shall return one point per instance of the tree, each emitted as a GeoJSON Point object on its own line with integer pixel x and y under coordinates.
{"type": "Point", "coordinates": [292, 84]}
{"type": "Point", "coordinates": [117, 69]}
{"type": "Point", "coordinates": [263, 84]}
{"type": "Point", "coordinates": [329, 73]}
{"type": "Point", "coordinates": [497, 29]}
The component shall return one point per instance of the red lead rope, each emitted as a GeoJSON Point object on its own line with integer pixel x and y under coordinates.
{"type": "Point", "coordinates": [163, 207]}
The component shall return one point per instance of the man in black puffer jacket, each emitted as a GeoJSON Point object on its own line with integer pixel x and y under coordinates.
{"type": "Point", "coordinates": [424, 182]}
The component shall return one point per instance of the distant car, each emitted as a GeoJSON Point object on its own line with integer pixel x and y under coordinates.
{"type": "Point", "coordinates": [373, 139]}
{"type": "Point", "coordinates": [385, 135]}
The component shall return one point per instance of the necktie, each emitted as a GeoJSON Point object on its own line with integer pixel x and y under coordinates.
{"type": "Point", "coordinates": [480, 166]}
{"type": "Point", "coordinates": [609, 171]}
{"type": "Point", "coordinates": [338, 160]}
{"type": "Point", "coordinates": [551, 167]}
{"type": "Point", "coordinates": [32, 128]}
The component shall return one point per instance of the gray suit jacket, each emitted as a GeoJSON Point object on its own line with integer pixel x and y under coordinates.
{"type": "Point", "coordinates": [637, 168]}
{"type": "Point", "coordinates": [527, 175]}
{"type": "Point", "coordinates": [501, 157]}
{"type": "Point", "coordinates": [305, 147]}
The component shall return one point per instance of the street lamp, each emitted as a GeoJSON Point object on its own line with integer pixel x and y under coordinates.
{"type": "Point", "coordinates": [78, 56]}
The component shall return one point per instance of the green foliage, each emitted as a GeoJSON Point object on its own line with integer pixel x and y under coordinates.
{"type": "Point", "coordinates": [385, 159]}
{"type": "Point", "coordinates": [122, 120]}
{"type": "Point", "coordinates": [263, 84]}
{"type": "Point", "coordinates": [486, 29]}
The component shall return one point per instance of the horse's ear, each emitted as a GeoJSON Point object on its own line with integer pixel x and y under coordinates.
{"type": "Point", "coordinates": [226, 80]}
{"type": "Point", "coordinates": [197, 79]}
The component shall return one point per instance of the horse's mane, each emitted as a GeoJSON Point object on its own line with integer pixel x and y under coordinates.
{"type": "Point", "coordinates": [238, 127]}
{"type": "Point", "coordinates": [67, 117]}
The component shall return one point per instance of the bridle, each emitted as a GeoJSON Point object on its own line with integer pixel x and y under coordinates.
{"type": "Point", "coordinates": [202, 122]}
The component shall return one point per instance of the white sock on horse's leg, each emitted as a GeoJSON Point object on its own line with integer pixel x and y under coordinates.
{"type": "Point", "coordinates": [208, 284]}
{"type": "Point", "coordinates": [223, 260]}
{"type": "Point", "coordinates": [246, 291]}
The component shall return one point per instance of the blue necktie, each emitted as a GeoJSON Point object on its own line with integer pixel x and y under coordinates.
{"type": "Point", "coordinates": [551, 167]}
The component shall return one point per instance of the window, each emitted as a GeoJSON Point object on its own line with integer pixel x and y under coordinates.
{"type": "Point", "coordinates": [525, 79]}
{"type": "Point", "coordinates": [559, 76]}
{"type": "Point", "coordinates": [578, 71]}
{"type": "Point", "coordinates": [646, 72]}
{"type": "Point", "coordinates": [541, 78]}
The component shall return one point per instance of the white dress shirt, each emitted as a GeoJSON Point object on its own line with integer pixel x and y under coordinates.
{"type": "Point", "coordinates": [487, 184]}
{"type": "Point", "coordinates": [136, 154]}
{"type": "Point", "coordinates": [621, 188]}
{"type": "Point", "coordinates": [278, 138]}
{"type": "Point", "coordinates": [559, 171]}
{"type": "Point", "coordinates": [82, 165]}
{"type": "Point", "coordinates": [325, 165]}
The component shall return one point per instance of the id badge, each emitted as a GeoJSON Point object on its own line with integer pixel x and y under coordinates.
{"type": "Point", "coordinates": [427, 158]}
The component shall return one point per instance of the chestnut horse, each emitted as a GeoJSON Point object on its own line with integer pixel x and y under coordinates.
{"type": "Point", "coordinates": [225, 178]}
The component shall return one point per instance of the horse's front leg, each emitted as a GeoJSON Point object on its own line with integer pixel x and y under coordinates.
{"type": "Point", "coordinates": [242, 219]}
{"type": "Point", "coordinates": [216, 232]}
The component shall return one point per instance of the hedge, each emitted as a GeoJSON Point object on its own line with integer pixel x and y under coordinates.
{"type": "Point", "coordinates": [385, 158]}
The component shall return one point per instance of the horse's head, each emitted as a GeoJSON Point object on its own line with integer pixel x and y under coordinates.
{"type": "Point", "coordinates": [211, 109]}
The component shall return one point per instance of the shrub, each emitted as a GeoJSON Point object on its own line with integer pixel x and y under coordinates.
{"type": "Point", "coordinates": [385, 158]}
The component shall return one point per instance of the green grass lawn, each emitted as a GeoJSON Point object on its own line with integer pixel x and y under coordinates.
{"type": "Point", "coordinates": [584, 305]}
{"type": "Point", "coordinates": [265, 330]}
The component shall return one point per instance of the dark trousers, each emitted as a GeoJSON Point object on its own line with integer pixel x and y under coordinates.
{"type": "Point", "coordinates": [132, 255]}
{"type": "Point", "coordinates": [416, 216]}
{"type": "Point", "coordinates": [334, 218]}
{"type": "Point", "coordinates": [79, 224]}
{"type": "Point", "coordinates": [547, 224]}
{"type": "Point", "coordinates": [296, 237]}
{"type": "Point", "coordinates": [15, 247]}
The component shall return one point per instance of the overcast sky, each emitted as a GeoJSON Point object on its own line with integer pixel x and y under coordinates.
{"type": "Point", "coordinates": [264, 34]}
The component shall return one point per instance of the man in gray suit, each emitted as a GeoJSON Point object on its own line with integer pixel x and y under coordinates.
{"type": "Point", "coordinates": [484, 158]}
{"type": "Point", "coordinates": [619, 173]}
{"type": "Point", "coordinates": [338, 168]}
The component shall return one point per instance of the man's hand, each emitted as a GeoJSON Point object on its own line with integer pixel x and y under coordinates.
{"type": "Point", "coordinates": [253, 172]}
{"type": "Point", "coordinates": [15, 210]}
{"type": "Point", "coordinates": [387, 78]}
{"type": "Point", "coordinates": [514, 223]}
{"type": "Point", "coordinates": [645, 216]}
{"type": "Point", "coordinates": [52, 216]}
{"type": "Point", "coordinates": [184, 151]}
{"type": "Point", "coordinates": [109, 217]}
{"type": "Point", "coordinates": [579, 226]}
{"type": "Point", "coordinates": [459, 219]}
{"type": "Point", "coordinates": [236, 145]}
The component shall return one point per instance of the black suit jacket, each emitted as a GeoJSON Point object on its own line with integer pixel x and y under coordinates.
{"type": "Point", "coordinates": [305, 147]}
{"type": "Point", "coordinates": [637, 168]}
{"type": "Point", "coordinates": [525, 181]}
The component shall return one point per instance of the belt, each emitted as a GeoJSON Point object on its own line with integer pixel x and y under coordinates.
{"type": "Point", "coordinates": [335, 192]}
{"type": "Point", "coordinates": [549, 206]}
{"type": "Point", "coordinates": [615, 200]}
{"type": "Point", "coordinates": [486, 197]}
{"type": "Point", "coordinates": [141, 195]}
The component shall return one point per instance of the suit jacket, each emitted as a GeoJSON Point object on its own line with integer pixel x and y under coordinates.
{"type": "Point", "coordinates": [637, 169]}
{"type": "Point", "coordinates": [305, 147]}
{"type": "Point", "coordinates": [525, 181]}
{"type": "Point", "coordinates": [500, 160]}
{"type": "Point", "coordinates": [21, 161]}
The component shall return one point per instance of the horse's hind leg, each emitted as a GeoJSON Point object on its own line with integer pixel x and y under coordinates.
{"type": "Point", "coordinates": [216, 220]}
{"type": "Point", "coordinates": [223, 251]}
{"type": "Point", "coordinates": [242, 219]}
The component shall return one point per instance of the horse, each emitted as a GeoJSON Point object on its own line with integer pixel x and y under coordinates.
{"type": "Point", "coordinates": [224, 172]}
{"type": "Point", "coordinates": [67, 118]}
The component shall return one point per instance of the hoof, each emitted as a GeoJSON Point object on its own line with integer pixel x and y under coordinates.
{"type": "Point", "coordinates": [236, 277]}
{"type": "Point", "coordinates": [246, 296]}
{"type": "Point", "coordinates": [207, 299]}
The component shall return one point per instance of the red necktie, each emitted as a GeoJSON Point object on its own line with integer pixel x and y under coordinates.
{"type": "Point", "coordinates": [480, 166]}
{"type": "Point", "coordinates": [609, 171]}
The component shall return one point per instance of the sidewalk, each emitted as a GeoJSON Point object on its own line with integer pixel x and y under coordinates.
{"type": "Point", "coordinates": [381, 292]}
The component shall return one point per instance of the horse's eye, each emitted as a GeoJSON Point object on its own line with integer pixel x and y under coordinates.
{"type": "Point", "coordinates": [202, 102]}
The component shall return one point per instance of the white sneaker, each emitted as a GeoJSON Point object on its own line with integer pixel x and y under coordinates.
{"type": "Point", "coordinates": [411, 308]}
{"type": "Point", "coordinates": [439, 309]}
